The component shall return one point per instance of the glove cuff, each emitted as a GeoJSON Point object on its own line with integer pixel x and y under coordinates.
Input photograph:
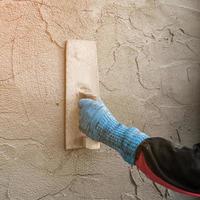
{"type": "Point", "coordinates": [130, 140]}
{"type": "Point", "coordinates": [121, 138]}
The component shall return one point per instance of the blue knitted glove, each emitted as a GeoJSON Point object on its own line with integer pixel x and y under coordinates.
{"type": "Point", "coordinates": [98, 123]}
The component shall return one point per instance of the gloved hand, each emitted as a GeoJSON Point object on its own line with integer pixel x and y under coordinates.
{"type": "Point", "coordinates": [98, 123]}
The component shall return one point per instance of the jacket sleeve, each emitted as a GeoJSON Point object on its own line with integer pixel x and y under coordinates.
{"type": "Point", "coordinates": [176, 168]}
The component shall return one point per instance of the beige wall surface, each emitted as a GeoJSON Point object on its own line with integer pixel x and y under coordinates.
{"type": "Point", "coordinates": [149, 63]}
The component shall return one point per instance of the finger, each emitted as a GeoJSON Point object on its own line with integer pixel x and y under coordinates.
{"type": "Point", "coordinates": [85, 102]}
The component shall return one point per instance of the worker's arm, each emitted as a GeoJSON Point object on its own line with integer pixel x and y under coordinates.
{"type": "Point", "coordinates": [175, 168]}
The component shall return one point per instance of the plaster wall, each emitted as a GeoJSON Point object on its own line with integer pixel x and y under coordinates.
{"type": "Point", "coordinates": [149, 62]}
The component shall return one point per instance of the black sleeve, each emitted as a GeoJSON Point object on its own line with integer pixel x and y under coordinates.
{"type": "Point", "coordinates": [178, 166]}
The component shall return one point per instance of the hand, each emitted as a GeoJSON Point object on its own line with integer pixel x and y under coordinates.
{"type": "Point", "coordinates": [98, 123]}
{"type": "Point", "coordinates": [95, 118]}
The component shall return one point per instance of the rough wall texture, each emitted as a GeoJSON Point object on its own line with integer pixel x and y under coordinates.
{"type": "Point", "coordinates": [149, 58]}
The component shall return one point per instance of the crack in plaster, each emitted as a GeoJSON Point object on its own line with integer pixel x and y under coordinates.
{"type": "Point", "coordinates": [188, 76]}
{"type": "Point", "coordinates": [171, 35]}
{"type": "Point", "coordinates": [114, 56]}
{"type": "Point", "coordinates": [151, 36]}
{"type": "Point", "coordinates": [140, 78]}
{"type": "Point", "coordinates": [12, 61]}
{"type": "Point", "coordinates": [38, 3]}
{"type": "Point", "coordinates": [166, 195]}
{"type": "Point", "coordinates": [21, 139]}
{"type": "Point", "coordinates": [47, 28]}
{"type": "Point", "coordinates": [114, 61]}
{"type": "Point", "coordinates": [81, 175]}
{"type": "Point", "coordinates": [68, 28]}
{"type": "Point", "coordinates": [133, 182]}
{"type": "Point", "coordinates": [12, 42]}
{"type": "Point", "coordinates": [140, 174]}
{"type": "Point", "coordinates": [187, 34]}
{"type": "Point", "coordinates": [39, 6]}
{"type": "Point", "coordinates": [175, 100]}
{"type": "Point", "coordinates": [47, 171]}
{"type": "Point", "coordinates": [178, 135]}
{"type": "Point", "coordinates": [59, 191]}
{"type": "Point", "coordinates": [124, 195]}
{"type": "Point", "coordinates": [107, 88]}
{"type": "Point", "coordinates": [157, 189]}
{"type": "Point", "coordinates": [12, 58]}
{"type": "Point", "coordinates": [15, 19]}
{"type": "Point", "coordinates": [164, 27]}
{"type": "Point", "coordinates": [187, 46]}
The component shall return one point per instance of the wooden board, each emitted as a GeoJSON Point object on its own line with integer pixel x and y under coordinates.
{"type": "Point", "coordinates": [81, 74]}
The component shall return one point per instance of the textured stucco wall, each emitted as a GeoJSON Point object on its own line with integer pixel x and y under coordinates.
{"type": "Point", "coordinates": [149, 59]}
